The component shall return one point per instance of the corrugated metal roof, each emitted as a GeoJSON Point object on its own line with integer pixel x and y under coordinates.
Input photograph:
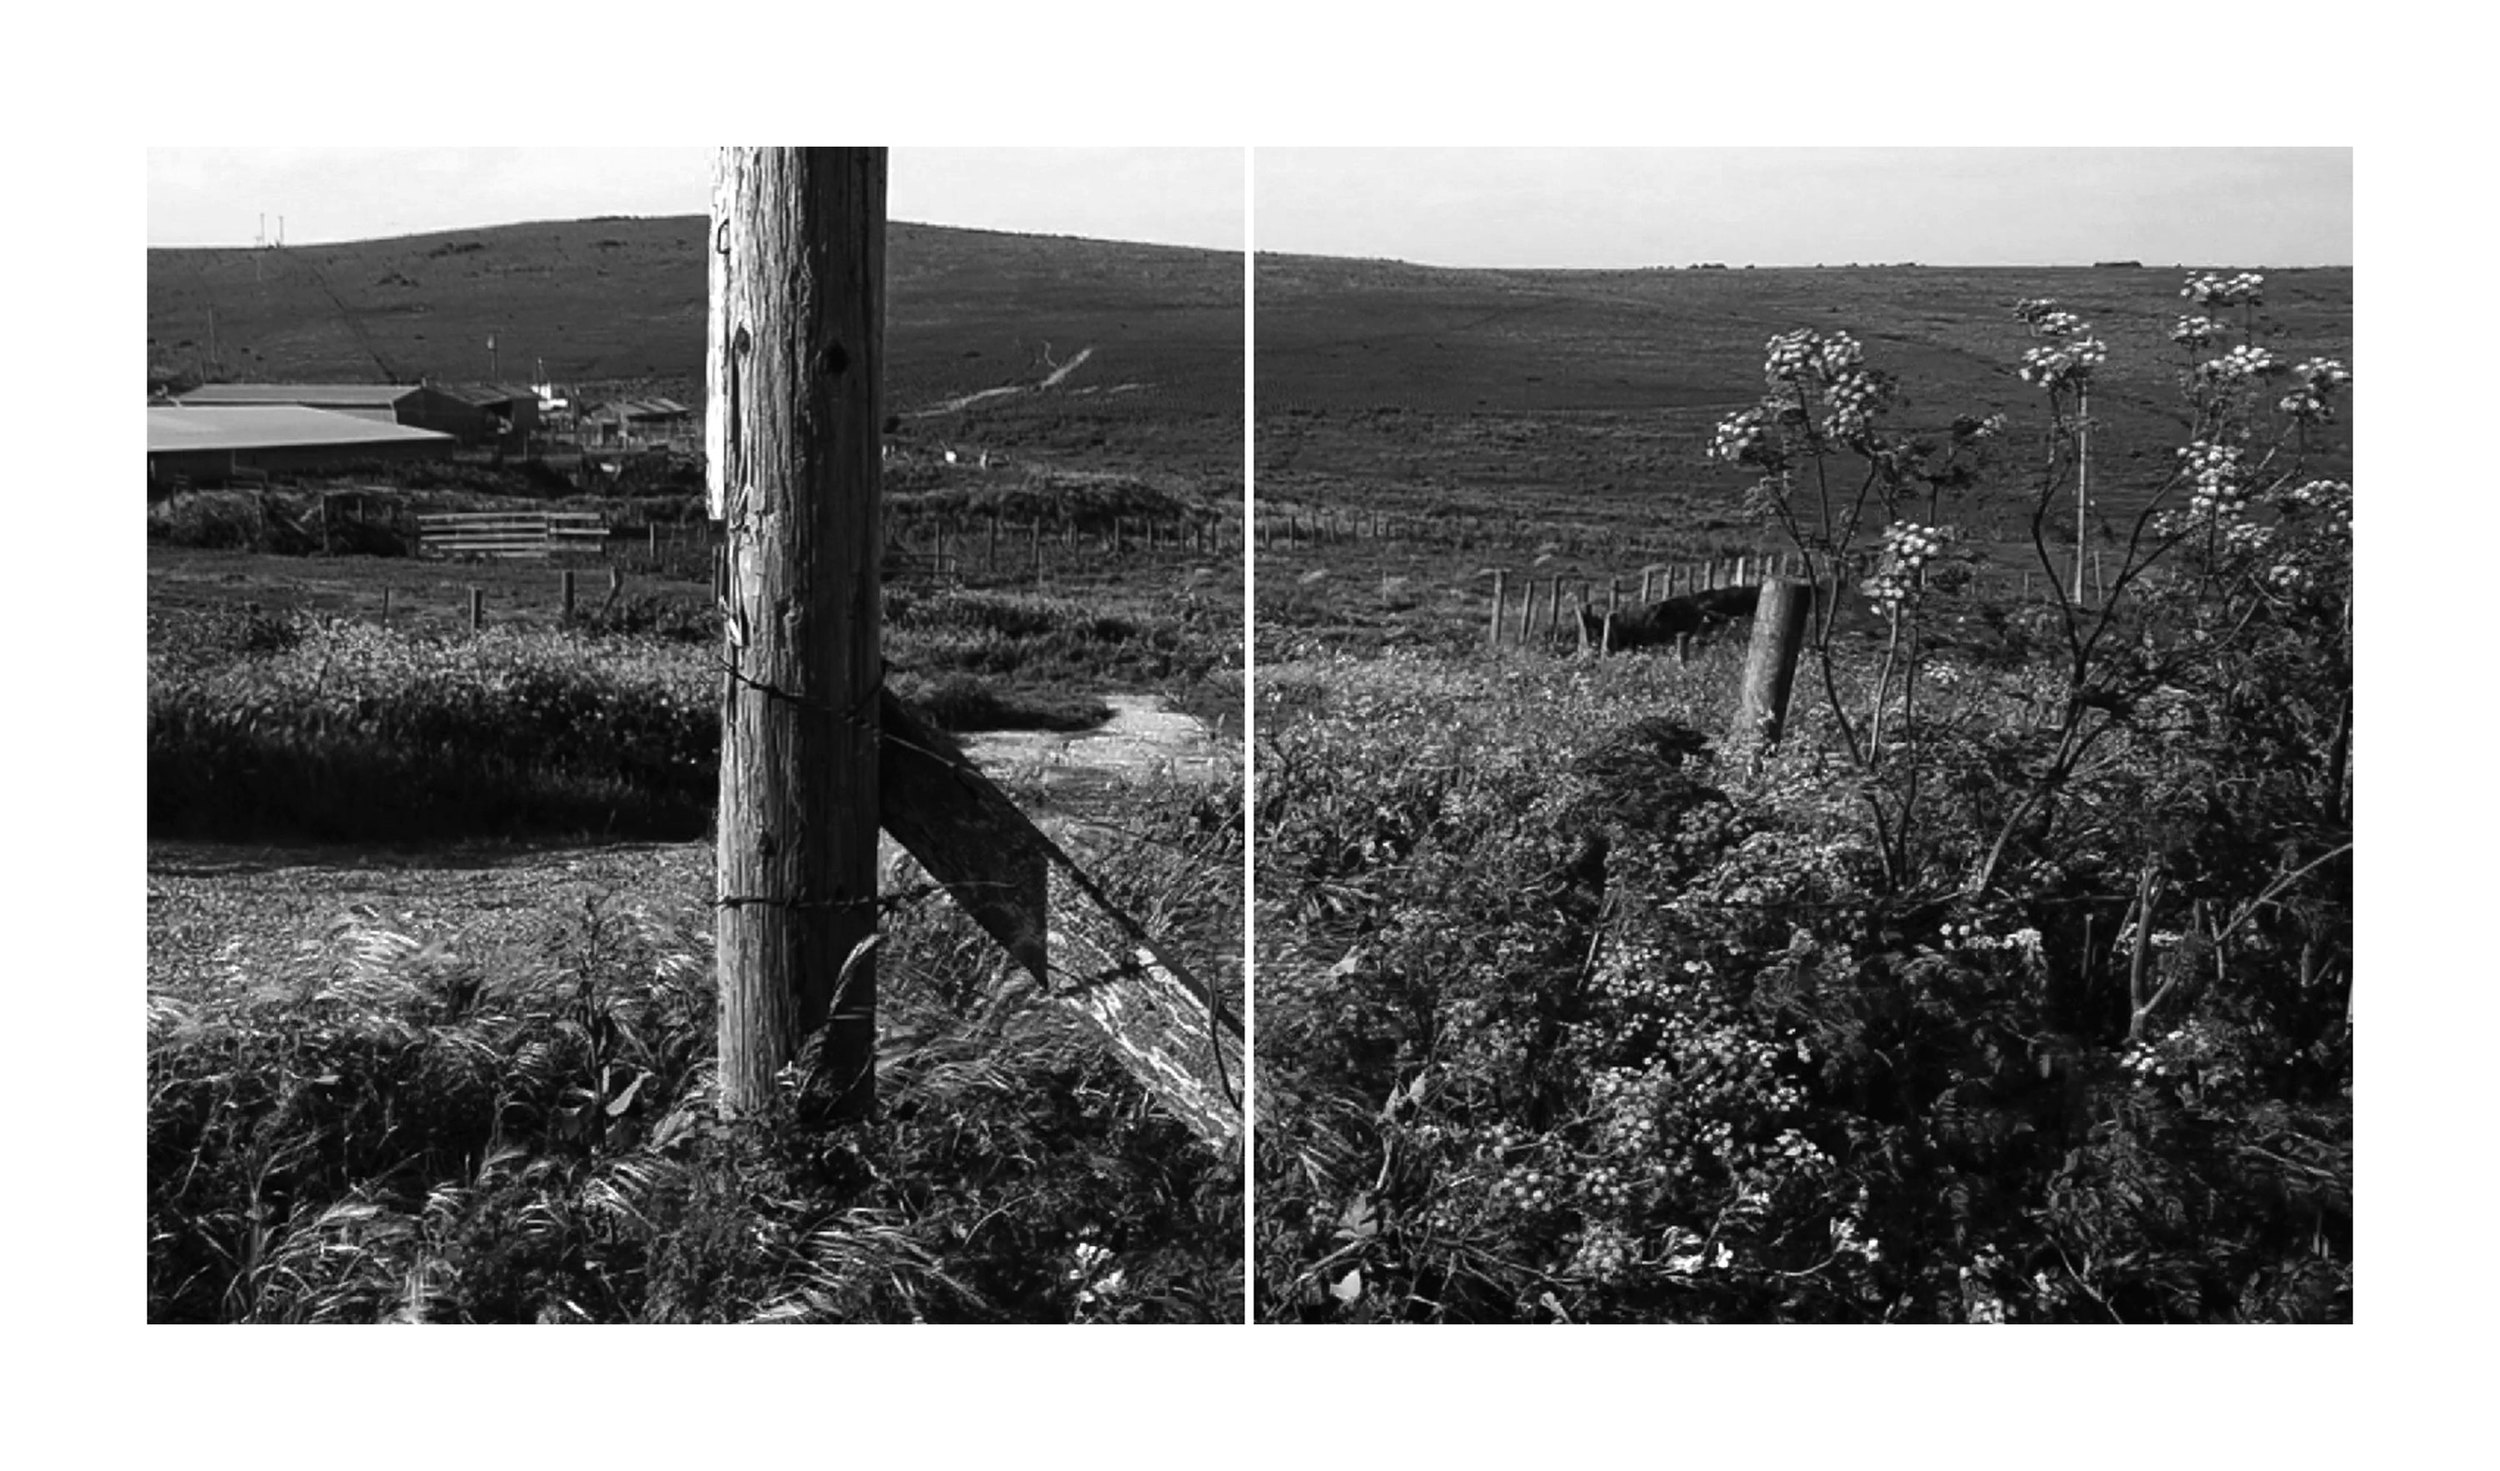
{"type": "Point", "coordinates": [270, 426]}
{"type": "Point", "coordinates": [362, 395]}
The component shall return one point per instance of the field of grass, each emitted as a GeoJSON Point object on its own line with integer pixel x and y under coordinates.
{"type": "Point", "coordinates": [1587, 398]}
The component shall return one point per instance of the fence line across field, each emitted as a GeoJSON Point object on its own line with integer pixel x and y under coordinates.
{"type": "Point", "coordinates": [1540, 602]}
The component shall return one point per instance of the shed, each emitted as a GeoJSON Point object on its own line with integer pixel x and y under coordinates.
{"type": "Point", "coordinates": [626, 423]}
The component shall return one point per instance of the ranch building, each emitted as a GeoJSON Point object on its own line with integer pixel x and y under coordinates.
{"type": "Point", "coordinates": [479, 415]}
{"type": "Point", "coordinates": [227, 442]}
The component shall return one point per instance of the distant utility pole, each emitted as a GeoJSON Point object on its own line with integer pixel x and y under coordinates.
{"type": "Point", "coordinates": [2083, 480]}
{"type": "Point", "coordinates": [795, 348]}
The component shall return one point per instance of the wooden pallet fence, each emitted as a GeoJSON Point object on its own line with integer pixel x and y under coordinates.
{"type": "Point", "coordinates": [531, 534]}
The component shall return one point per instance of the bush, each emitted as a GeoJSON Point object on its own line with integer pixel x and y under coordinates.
{"type": "Point", "coordinates": [350, 732]}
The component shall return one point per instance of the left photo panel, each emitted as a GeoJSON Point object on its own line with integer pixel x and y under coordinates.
{"type": "Point", "coordinates": [695, 735]}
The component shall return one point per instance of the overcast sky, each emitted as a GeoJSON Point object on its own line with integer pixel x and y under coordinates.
{"type": "Point", "coordinates": [1451, 207]}
{"type": "Point", "coordinates": [216, 196]}
{"type": "Point", "coordinates": [1809, 206]}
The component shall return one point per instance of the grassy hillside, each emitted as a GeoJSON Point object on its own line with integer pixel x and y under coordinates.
{"type": "Point", "coordinates": [1592, 394]}
{"type": "Point", "coordinates": [619, 303]}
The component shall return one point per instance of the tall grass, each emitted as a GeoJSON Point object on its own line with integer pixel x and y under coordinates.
{"type": "Point", "coordinates": [394, 1133]}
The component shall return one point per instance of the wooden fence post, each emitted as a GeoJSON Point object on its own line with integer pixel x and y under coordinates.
{"type": "Point", "coordinates": [386, 605]}
{"type": "Point", "coordinates": [796, 340]}
{"type": "Point", "coordinates": [1493, 632]}
{"type": "Point", "coordinates": [1779, 628]}
{"type": "Point", "coordinates": [477, 609]}
{"type": "Point", "coordinates": [568, 594]}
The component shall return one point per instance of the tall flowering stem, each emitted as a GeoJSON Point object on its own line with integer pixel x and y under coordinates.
{"type": "Point", "coordinates": [1820, 424]}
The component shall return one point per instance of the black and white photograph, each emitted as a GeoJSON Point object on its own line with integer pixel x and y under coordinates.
{"type": "Point", "coordinates": [695, 735]}
{"type": "Point", "coordinates": [1804, 735]}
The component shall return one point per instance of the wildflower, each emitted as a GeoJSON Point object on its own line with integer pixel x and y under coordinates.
{"type": "Point", "coordinates": [2240, 365]}
{"type": "Point", "coordinates": [2068, 364]}
{"type": "Point", "coordinates": [2196, 332]}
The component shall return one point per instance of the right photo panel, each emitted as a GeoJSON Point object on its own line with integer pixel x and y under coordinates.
{"type": "Point", "coordinates": [1803, 709]}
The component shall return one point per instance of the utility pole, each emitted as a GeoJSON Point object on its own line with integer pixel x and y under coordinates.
{"type": "Point", "coordinates": [795, 351]}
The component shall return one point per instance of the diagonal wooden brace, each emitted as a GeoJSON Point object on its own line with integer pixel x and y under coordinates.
{"type": "Point", "coordinates": [1168, 1028]}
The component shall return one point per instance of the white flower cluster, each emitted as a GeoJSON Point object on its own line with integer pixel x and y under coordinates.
{"type": "Point", "coordinates": [2242, 537]}
{"type": "Point", "coordinates": [1838, 354]}
{"type": "Point", "coordinates": [1740, 439]}
{"type": "Point", "coordinates": [2024, 941]}
{"type": "Point", "coordinates": [2209, 290]}
{"type": "Point", "coordinates": [1908, 548]}
{"type": "Point", "coordinates": [2329, 498]}
{"type": "Point", "coordinates": [2196, 332]}
{"type": "Point", "coordinates": [2069, 363]}
{"type": "Point", "coordinates": [2060, 324]}
{"type": "Point", "coordinates": [1793, 355]}
{"type": "Point", "coordinates": [2320, 380]}
{"type": "Point", "coordinates": [1785, 357]}
{"type": "Point", "coordinates": [1855, 396]}
{"type": "Point", "coordinates": [2215, 468]}
{"type": "Point", "coordinates": [2325, 373]}
{"type": "Point", "coordinates": [2239, 365]}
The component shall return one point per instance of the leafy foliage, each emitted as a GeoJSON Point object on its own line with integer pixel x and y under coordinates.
{"type": "Point", "coordinates": [2014, 986]}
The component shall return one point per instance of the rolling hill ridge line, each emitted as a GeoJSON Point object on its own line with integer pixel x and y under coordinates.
{"type": "Point", "coordinates": [621, 300]}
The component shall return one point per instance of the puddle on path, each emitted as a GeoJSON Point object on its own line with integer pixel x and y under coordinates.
{"type": "Point", "coordinates": [1143, 739]}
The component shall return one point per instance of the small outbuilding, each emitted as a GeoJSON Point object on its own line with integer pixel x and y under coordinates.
{"type": "Point", "coordinates": [640, 423]}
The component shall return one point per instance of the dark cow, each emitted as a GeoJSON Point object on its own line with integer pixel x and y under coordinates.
{"type": "Point", "coordinates": [1662, 623]}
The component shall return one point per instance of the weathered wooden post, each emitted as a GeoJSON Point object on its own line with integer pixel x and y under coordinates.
{"type": "Point", "coordinates": [795, 344]}
{"type": "Point", "coordinates": [386, 605]}
{"type": "Point", "coordinates": [568, 594]}
{"type": "Point", "coordinates": [477, 609]}
{"type": "Point", "coordinates": [1493, 631]}
{"type": "Point", "coordinates": [1779, 629]}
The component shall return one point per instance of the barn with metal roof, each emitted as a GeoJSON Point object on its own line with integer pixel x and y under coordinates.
{"type": "Point", "coordinates": [474, 413]}
{"type": "Point", "coordinates": [210, 442]}
{"type": "Point", "coordinates": [367, 400]}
